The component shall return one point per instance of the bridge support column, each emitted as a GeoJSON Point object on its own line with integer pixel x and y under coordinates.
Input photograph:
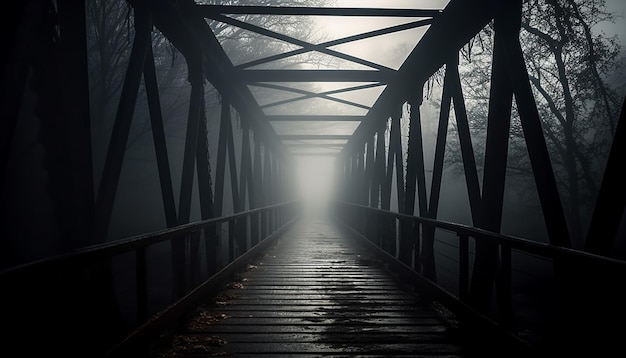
{"type": "Point", "coordinates": [182, 262]}
{"type": "Point", "coordinates": [207, 208]}
{"type": "Point", "coordinates": [496, 148]}
{"type": "Point", "coordinates": [415, 181]}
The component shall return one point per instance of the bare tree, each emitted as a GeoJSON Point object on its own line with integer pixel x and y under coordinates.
{"type": "Point", "coordinates": [567, 63]}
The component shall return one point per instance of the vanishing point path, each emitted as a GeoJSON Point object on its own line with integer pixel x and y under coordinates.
{"type": "Point", "coordinates": [315, 292]}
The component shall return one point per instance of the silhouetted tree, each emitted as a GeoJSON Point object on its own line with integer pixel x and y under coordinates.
{"type": "Point", "coordinates": [567, 63]}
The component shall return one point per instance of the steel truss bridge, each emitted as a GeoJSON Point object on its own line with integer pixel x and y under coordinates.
{"type": "Point", "coordinates": [66, 303]}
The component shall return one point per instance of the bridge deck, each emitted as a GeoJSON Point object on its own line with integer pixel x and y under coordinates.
{"type": "Point", "coordinates": [315, 292]}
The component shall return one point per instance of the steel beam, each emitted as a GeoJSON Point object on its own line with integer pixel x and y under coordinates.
{"type": "Point", "coordinates": [245, 169]}
{"type": "Point", "coordinates": [459, 22]}
{"type": "Point", "coordinates": [415, 184]}
{"type": "Point", "coordinates": [252, 76]}
{"type": "Point", "coordinates": [191, 139]}
{"type": "Point", "coordinates": [121, 127]}
{"type": "Point", "coordinates": [313, 136]}
{"type": "Point", "coordinates": [381, 166]}
{"type": "Point", "coordinates": [232, 166]}
{"type": "Point", "coordinates": [323, 95]}
{"type": "Point", "coordinates": [74, 72]}
{"type": "Point", "coordinates": [207, 206]}
{"type": "Point", "coordinates": [496, 151]}
{"type": "Point", "coordinates": [427, 258]}
{"type": "Point", "coordinates": [203, 168]}
{"type": "Point", "coordinates": [440, 146]}
{"type": "Point", "coordinates": [313, 145]}
{"type": "Point", "coordinates": [314, 154]}
{"type": "Point", "coordinates": [220, 170]}
{"type": "Point", "coordinates": [189, 32]}
{"type": "Point", "coordinates": [18, 30]}
{"type": "Point", "coordinates": [158, 137]}
{"type": "Point", "coordinates": [305, 45]}
{"type": "Point", "coordinates": [335, 42]}
{"type": "Point", "coordinates": [465, 141]}
{"type": "Point", "coordinates": [209, 10]}
{"type": "Point", "coordinates": [415, 174]}
{"type": "Point", "coordinates": [313, 118]}
{"type": "Point", "coordinates": [256, 179]}
{"type": "Point", "coordinates": [369, 172]}
{"type": "Point", "coordinates": [182, 260]}
{"type": "Point", "coordinates": [609, 207]}
{"type": "Point", "coordinates": [547, 188]}
{"type": "Point", "coordinates": [387, 183]}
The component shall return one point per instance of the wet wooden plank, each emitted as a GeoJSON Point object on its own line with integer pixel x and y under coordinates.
{"type": "Point", "coordinates": [314, 293]}
{"type": "Point", "coordinates": [288, 348]}
{"type": "Point", "coordinates": [308, 337]}
{"type": "Point", "coordinates": [320, 329]}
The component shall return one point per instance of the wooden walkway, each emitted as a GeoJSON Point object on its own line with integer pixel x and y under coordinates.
{"type": "Point", "coordinates": [314, 293]}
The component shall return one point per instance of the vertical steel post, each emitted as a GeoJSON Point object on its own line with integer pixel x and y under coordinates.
{"type": "Point", "coordinates": [267, 184]}
{"type": "Point", "coordinates": [415, 180]}
{"type": "Point", "coordinates": [121, 127]}
{"type": "Point", "coordinates": [369, 190]}
{"type": "Point", "coordinates": [396, 142]}
{"type": "Point", "coordinates": [245, 189]}
{"type": "Point", "coordinates": [609, 207]}
{"type": "Point", "coordinates": [370, 179]}
{"type": "Point", "coordinates": [232, 164]}
{"type": "Point", "coordinates": [465, 141]}
{"type": "Point", "coordinates": [244, 168]}
{"type": "Point", "coordinates": [72, 51]}
{"type": "Point", "coordinates": [496, 149]}
{"type": "Point", "coordinates": [380, 168]}
{"type": "Point", "coordinates": [220, 170]}
{"type": "Point", "coordinates": [181, 248]}
{"type": "Point", "coordinates": [428, 255]}
{"type": "Point", "coordinates": [381, 230]}
{"type": "Point", "coordinates": [158, 137]}
{"type": "Point", "coordinates": [205, 191]}
{"type": "Point", "coordinates": [547, 188]}
{"type": "Point", "coordinates": [257, 183]}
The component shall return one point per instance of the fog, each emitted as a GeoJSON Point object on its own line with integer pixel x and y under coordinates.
{"type": "Point", "coordinates": [29, 223]}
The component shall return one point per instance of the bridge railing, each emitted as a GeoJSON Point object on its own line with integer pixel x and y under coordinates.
{"type": "Point", "coordinates": [61, 302]}
{"type": "Point", "coordinates": [545, 297]}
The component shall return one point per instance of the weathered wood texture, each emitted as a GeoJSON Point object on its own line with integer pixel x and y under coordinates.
{"type": "Point", "coordinates": [314, 293]}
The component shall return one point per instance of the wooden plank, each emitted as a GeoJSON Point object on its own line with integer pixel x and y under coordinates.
{"type": "Point", "coordinates": [297, 312]}
{"type": "Point", "coordinates": [341, 337]}
{"type": "Point", "coordinates": [315, 292]}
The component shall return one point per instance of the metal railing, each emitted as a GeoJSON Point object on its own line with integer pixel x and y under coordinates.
{"type": "Point", "coordinates": [38, 298]}
{"type": "Point", "coordinates": [545, 297]}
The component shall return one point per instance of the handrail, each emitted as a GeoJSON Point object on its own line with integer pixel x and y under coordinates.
{"type": "Point", "coordinates": [131, 243]}
{"type": "Point", "coordinates": [522, 244]}
{"type": "Point", "coordinates": [575, 295]}
{"type": "Point", "coordinates": [68, 282]}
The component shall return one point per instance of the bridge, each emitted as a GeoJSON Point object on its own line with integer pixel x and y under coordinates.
{"type": "Point", "coordinates": [332, 228]}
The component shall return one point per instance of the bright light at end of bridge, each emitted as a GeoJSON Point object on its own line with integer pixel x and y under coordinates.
{"type": "Point", "coordinates": [315, 180]}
